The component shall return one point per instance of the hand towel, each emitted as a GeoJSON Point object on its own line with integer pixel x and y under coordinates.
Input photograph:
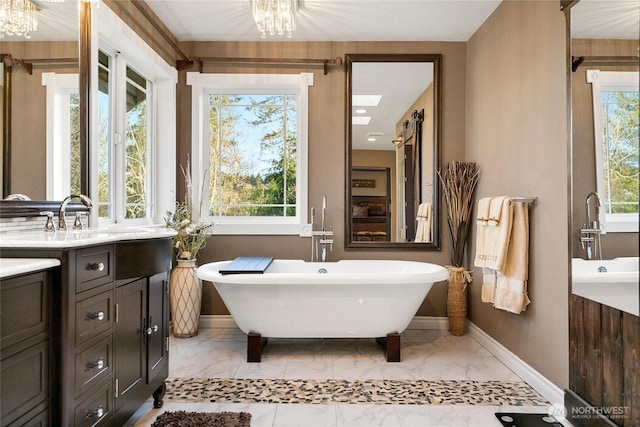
{"type": "Point", "coordinates": [493, 251]}
{"type": "Point", "coordinates": [423, 232]}
{"type": "Point", "coordinates": [482, 216]}
{"type": "Point", "coordinates": [511, 284]}
{"type": "Point", "coordinates": [488, 291]}
{"type": "Point", "coordinates": [495, 210]}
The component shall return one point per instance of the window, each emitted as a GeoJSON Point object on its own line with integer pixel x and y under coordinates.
{"type": "Point", "coordinates": [125, 149]}
{"type": "Point", "coordinates": [616, 103]}
{"type": "Point", "coordinates": [250, 150]}
{"type": "Point", "coordinates": [63, 135]}
{"type": "Point", "coordinates": [133, 128]}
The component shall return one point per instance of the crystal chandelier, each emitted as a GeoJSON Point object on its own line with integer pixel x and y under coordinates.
{"type": "Point", "coordinates": [17, 18]}
{"type": "Point", "coordinates": [275, 16]}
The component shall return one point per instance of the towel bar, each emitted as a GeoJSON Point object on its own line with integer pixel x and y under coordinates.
{"type": "Point", "coordinates": [529, 200]}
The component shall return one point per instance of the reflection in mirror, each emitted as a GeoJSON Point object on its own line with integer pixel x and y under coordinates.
{"type": "Point", "coordinates": [604, 129]}
{"type": "Point", "coordinates": [42, 71]}
{"type": "Point", "coordinates": [393, 143]}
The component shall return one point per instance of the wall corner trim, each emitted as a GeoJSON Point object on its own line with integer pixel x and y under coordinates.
{"type": "Point", "coordinates": [535, 379]}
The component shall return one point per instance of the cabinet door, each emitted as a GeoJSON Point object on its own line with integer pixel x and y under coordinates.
{"type": "Point", "coordinates": [129, 347]}
{"type": "Point", "coordinates": [158, 327]}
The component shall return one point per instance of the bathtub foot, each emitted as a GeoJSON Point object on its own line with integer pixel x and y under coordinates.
{"type": "Point", "coordinates": [255, 343]}
{"type": "Point", "coordinates": [391, 346]}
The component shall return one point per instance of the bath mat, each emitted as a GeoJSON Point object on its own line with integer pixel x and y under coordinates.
{"type": "Point", "coordinates": [397, 392]}
{"type": "Point", "coordinates": [202, 419]}
{"type": "Point", "coordinates": [511, 419]}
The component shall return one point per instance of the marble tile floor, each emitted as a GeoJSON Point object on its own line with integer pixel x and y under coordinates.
{"type": "Point", "coordinates": [431, 357]}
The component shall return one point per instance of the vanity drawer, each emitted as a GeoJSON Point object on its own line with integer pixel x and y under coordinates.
{"type": "Point", "coordinates": [95, 410]}
{"type": "Point", "coordinates": [24, 380]}
{"type": "Point", "coordinates": [94, 316]}
{"type": "Point", "coordinates": [94, 267]}
{"type": "Point", "coordinates": [93, 365]}
{"type": "Point", "coordinates": [24, 304]}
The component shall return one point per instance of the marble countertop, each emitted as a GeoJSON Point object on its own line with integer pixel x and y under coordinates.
{"type": "Point", "coordinates": [15, 266]}
{"type": "Point", "coordinates": [39, 239]}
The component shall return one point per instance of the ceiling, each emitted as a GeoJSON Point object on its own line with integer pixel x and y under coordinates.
{"type": "Point", "coordinates": [347, 20]}
{"type": "Point", "coordinates": [330, 20]}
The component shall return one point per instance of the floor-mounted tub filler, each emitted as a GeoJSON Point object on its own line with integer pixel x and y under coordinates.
{"type": "Point", "coordinates": [611, 282]}
{"type": "Point", "coordinates": [344, 299]}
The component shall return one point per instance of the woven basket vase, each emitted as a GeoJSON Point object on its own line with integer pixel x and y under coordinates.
{"type": "Point", "coordinates": [185, 299]}
{"type": "Point", "coordinates": [457, 305]}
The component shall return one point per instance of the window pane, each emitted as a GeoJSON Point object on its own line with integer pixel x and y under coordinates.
{"type": "Point", "coordinates": [620, 146]}
{"type": "Point", "coordinates": [136, 153]}
{"type": "Point", "coordinates": [252, 155]}
{"type": "Point", "coordinates": [105, 160]}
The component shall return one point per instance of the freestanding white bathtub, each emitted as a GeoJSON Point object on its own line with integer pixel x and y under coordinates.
{"type": "Point", "coordinates": [611, 282]}
{"type": "Point", "coordinates": [344, 299]}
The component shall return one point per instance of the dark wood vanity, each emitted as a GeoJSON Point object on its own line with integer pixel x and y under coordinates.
{"type": "Point", "coordinates": [85, 344]}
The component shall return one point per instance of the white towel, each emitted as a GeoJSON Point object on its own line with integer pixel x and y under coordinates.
{"type": "Point", "coordinates": [488, 292]}
{"type": "Point", "coordinates": [492, 251]}
{"type": "Point", "coordinates": [482, 215]}
{"type": "Point", "coordinates": [495, 209]}
{"type": "Point", "coordinates": [511, 284]}
{"type": "Point", "coordinates": [423, 232]}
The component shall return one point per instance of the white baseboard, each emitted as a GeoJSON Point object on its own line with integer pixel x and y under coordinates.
{"type": "Point", "coordinates": [535, 379]}
{"type": "Point", "coordinates": [221, 321]}
{"type": "Point", "coordinates": [428, 322]}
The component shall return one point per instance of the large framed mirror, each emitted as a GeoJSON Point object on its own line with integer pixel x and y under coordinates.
{"type": "Point", "coordinates": [392, 151]}
{"type": "Point", "coordinates": [604, 149]}
{"type": "Point", "coordinates": [44, 105]}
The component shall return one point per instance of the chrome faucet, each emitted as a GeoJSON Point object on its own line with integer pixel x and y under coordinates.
{"type": "Point", "coordinates": [322, 238]}
{"type": "Point", "coordinates": [590, 231]}
{"type": "Point", "coordinates": [62, 222]}
{"type": "Point", "coordinates": [595, 224]}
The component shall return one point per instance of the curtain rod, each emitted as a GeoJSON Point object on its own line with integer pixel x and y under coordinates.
{"type": "Point", "coordinates": [576, 61]}
{"type": "Point", "coordinates": [28, 64]}
{"type": "Point", "coordinates": [326, 64]}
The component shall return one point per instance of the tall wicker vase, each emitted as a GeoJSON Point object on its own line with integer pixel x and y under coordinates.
{"type": "Point", "coordinates": [185, 299]}
{"type": "Point", "coordinates": [457, 300]}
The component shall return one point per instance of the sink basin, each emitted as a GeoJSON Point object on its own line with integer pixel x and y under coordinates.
{"type": "Point", "coordinates": [610, 282]}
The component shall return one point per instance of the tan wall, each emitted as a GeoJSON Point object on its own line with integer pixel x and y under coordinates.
{"type": "Point", "coordinates": [516, 130]}
{"type": "Point", "coordinates": [584, 167]}
{"type": "Point", "coordinates": [327, 147]}
{"type": "Point", "coordinates": [28, 113]}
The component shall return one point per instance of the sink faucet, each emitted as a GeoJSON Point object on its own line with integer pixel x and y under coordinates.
{"type": "Point", "coordinates": [590, 231]}
{"type": "Point", "coordinates": [62, 222]}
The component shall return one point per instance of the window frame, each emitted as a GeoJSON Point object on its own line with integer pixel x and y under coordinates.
{"type": "Point", "coordinates": [603, 81]}
{"type": "Point", "coordinates": [59, 87]}
{"type": "Point", "coordinates": [204, 84]}
{"type": "Point", "coordinates": [116, 38]}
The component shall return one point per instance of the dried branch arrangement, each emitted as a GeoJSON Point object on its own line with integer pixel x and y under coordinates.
{"type": "Point", "coordinates": [459, 180]}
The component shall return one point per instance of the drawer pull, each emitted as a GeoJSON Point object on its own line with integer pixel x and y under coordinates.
{"type": "Point", "coordinates": [152, 329]}
{"type": "Point", "coordinates": [96, 315]}
{"type": "Point", "coordinates": [95, 364]}
{"type": "Point", "coordinates": [95, 413]}
{"type": "Point", "coordinates": [96, 266]}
